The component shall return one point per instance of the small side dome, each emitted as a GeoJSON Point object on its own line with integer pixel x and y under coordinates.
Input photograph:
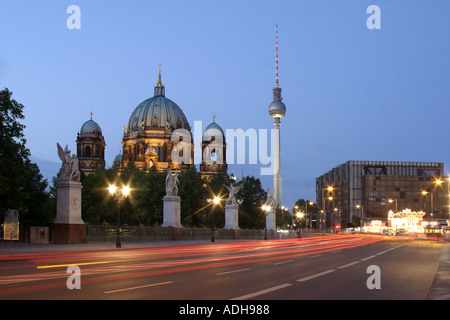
{"type": "Point", "coordinates": [213, 130]}
{"type": "Point", "coordinates": [118, 158]}
{"type": "Point", "coordinates": [91, 127]}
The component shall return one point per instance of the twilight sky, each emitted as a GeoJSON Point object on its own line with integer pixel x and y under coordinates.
{"type": "Point", "coordinates": [351, 93]}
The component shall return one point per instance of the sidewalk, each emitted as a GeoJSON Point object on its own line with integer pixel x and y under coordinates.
{"type": "Point", "coordinates": [440, 288]}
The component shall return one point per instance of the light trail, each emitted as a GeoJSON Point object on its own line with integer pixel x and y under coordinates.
{"type": "Point", "coordinates": [194, 257]}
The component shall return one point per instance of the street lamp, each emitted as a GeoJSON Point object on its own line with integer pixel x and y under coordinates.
{"type": "Point", "coordinates": [362, 215]}
{"type": "Point", "coordinates": [267, 210]}
{"type": "Point", "coordinates": [215, 201]}
{"type": "Point", "coordinates": [329, 189]}
{"type": "Point", "coordinates": [396, 203]}
{"type": "Point", "coordinates": [120, 195]}
{"type": "Point", "coordinates": [338, 212]}
{"type": "Point", "coordinates": [424, 193]}
{"type": "Point", "coordinates": [299, 217]}
{"type": "Point", "coordinates": [437, 182]}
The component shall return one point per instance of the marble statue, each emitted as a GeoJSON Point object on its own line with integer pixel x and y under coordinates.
{"type": "Point", "coordinates": [70, 170]}
{"type": "Point", "coordinates": [172, 183]}
{"type": "Point", "coordinates": [232, 191]}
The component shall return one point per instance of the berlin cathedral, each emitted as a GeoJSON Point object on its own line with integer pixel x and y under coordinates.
{"type": "Point", "coordinates": [148, 140]}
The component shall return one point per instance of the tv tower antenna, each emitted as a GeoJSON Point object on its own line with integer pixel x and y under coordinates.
{"type": "Point", "coordinates": [276, 59]}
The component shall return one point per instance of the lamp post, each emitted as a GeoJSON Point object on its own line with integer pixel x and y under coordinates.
{"type": "Point", "coordinates": [394, 201]}
{"type": "Point", "coordinates": [329, 189]}
{"type": "Point", "coordinates": [424, 193]}
{"type": "Point", "coordinates": [265, 209]}
{"type": "Point", "coordinates": [299, 217]}
{"type": "Point", "coordinates": [292, 218]}
{"type": "Point", "coordinates": [338, 212]}
{"type": "Point", "coordinates": [120, 195]}
{"type": "Point", "coordinates": [216, 200]}
{"type": "Point", "coordinates": [437, 182]}
{"type": "Point", "coordinates": [306, 214]}
{"type": "Point", "coordinates": [362, 215]}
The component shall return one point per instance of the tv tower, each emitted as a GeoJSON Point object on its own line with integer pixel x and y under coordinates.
{"type": "Point", "coordinates": [277, 110]}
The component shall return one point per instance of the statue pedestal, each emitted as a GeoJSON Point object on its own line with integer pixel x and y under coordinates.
{"type": "Point", "coordinates": [271, 221]}
{"type": "Point", "coordinates": [271, 228]}
{"type": "Point", "coordinates": [68, 226]}
{"type": "Point", "coordinates": [231, 216]}
{"type": "Point", "coordinates": [172, 213]}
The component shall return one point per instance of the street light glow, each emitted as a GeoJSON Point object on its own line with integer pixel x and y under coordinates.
{"type": "Point", "coordinates": [126, 191]}
{"type": "Point", "coordinates": [112, 189]}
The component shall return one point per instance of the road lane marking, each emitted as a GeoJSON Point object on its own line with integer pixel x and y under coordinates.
{"type": "Point", "coordinates": [348, 264]}
{"type": "Point", "coordinates": [381, 252]}
{"type": "Point", "coordinates": [78, 264]}
{"type": "Point", "coordinates": [316, 275]}
{"type": "Point", "coordinates": [261, 292]}
{"type": "Point", "coordinates": [336, 251]}
{"type": "Point", "coordinates": [282, 262]}
{"type": "Point", "coordinates": [317, 255]}
{"type": "Point", "coordinates": [139, 287]}
{"type": "Point", "coordinates": [367, 258]}
{"type": "Point", "coordinates": [233, 271]}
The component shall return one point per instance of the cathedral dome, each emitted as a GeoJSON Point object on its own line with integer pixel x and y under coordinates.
{"type": "Point", "coordinates": [213, 129]}
{"type": "Point", "coordinates": [91, 127]}
{"type": "Point", "coordinates": [157, 112]}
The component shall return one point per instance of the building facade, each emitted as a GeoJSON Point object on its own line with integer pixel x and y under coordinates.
{"type": "Point", "coordinates": [370, 189]}
{"type": "Point", "coordinates": [148, 138]}
{"type": "Point", "coordinates": [157, 135]}
{"type": "Point", "coordinates": [214, 150]}
{"type": "Point", "coordinates": [90, 147]}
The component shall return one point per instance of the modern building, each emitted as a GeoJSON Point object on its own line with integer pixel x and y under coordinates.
{"type": "Point", "coordinates": [370, 189]}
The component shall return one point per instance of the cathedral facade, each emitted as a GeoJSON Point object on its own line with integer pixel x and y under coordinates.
{"type": "Point", "coordinates": [157, 135]}
{"type": "Point", "coordinates": [90, 147]}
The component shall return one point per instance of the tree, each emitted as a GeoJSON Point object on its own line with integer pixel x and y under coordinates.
{"type": "Point", "coordinates": [22, 185]}
{"type": "Point", "coordinates": [13, 153]}
{"type": "Point", "coordinates": [147, 192]}
{"type": "Point", "coordinates": [252, 197]}
{"type": "Point", "coordinates": [97, 203]}
{"type": "Point", "coordinates": [34, 188]}
{"type": "Point", "coordinates": [194, 194]}
{"type": "Point", "coordinates": [216, 188]}
{"type": "Point", "coordinates": [311, 210]}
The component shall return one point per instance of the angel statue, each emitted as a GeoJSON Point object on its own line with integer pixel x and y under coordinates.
{"type": "Point", "coordinates": [69, 169]}
{"type": "Point", "coordinates": [270, 202]}
{"type": "Point", "coordinates": [232, 191]}
{"type": "Point", "coordinates": [172, 183]}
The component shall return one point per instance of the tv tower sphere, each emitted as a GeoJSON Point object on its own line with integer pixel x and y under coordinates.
{"type": "Point", "coordinates": [277, 109]}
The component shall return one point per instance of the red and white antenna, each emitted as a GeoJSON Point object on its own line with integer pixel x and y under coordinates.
{"type": "Point", "coordinates": [276, 60]}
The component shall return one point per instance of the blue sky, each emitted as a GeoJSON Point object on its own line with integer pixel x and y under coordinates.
{"type": "Point", "coordinates": [351, 93]}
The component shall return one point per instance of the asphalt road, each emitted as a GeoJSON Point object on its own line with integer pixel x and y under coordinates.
{"type": "Point", "coordinates": [343, 267]}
